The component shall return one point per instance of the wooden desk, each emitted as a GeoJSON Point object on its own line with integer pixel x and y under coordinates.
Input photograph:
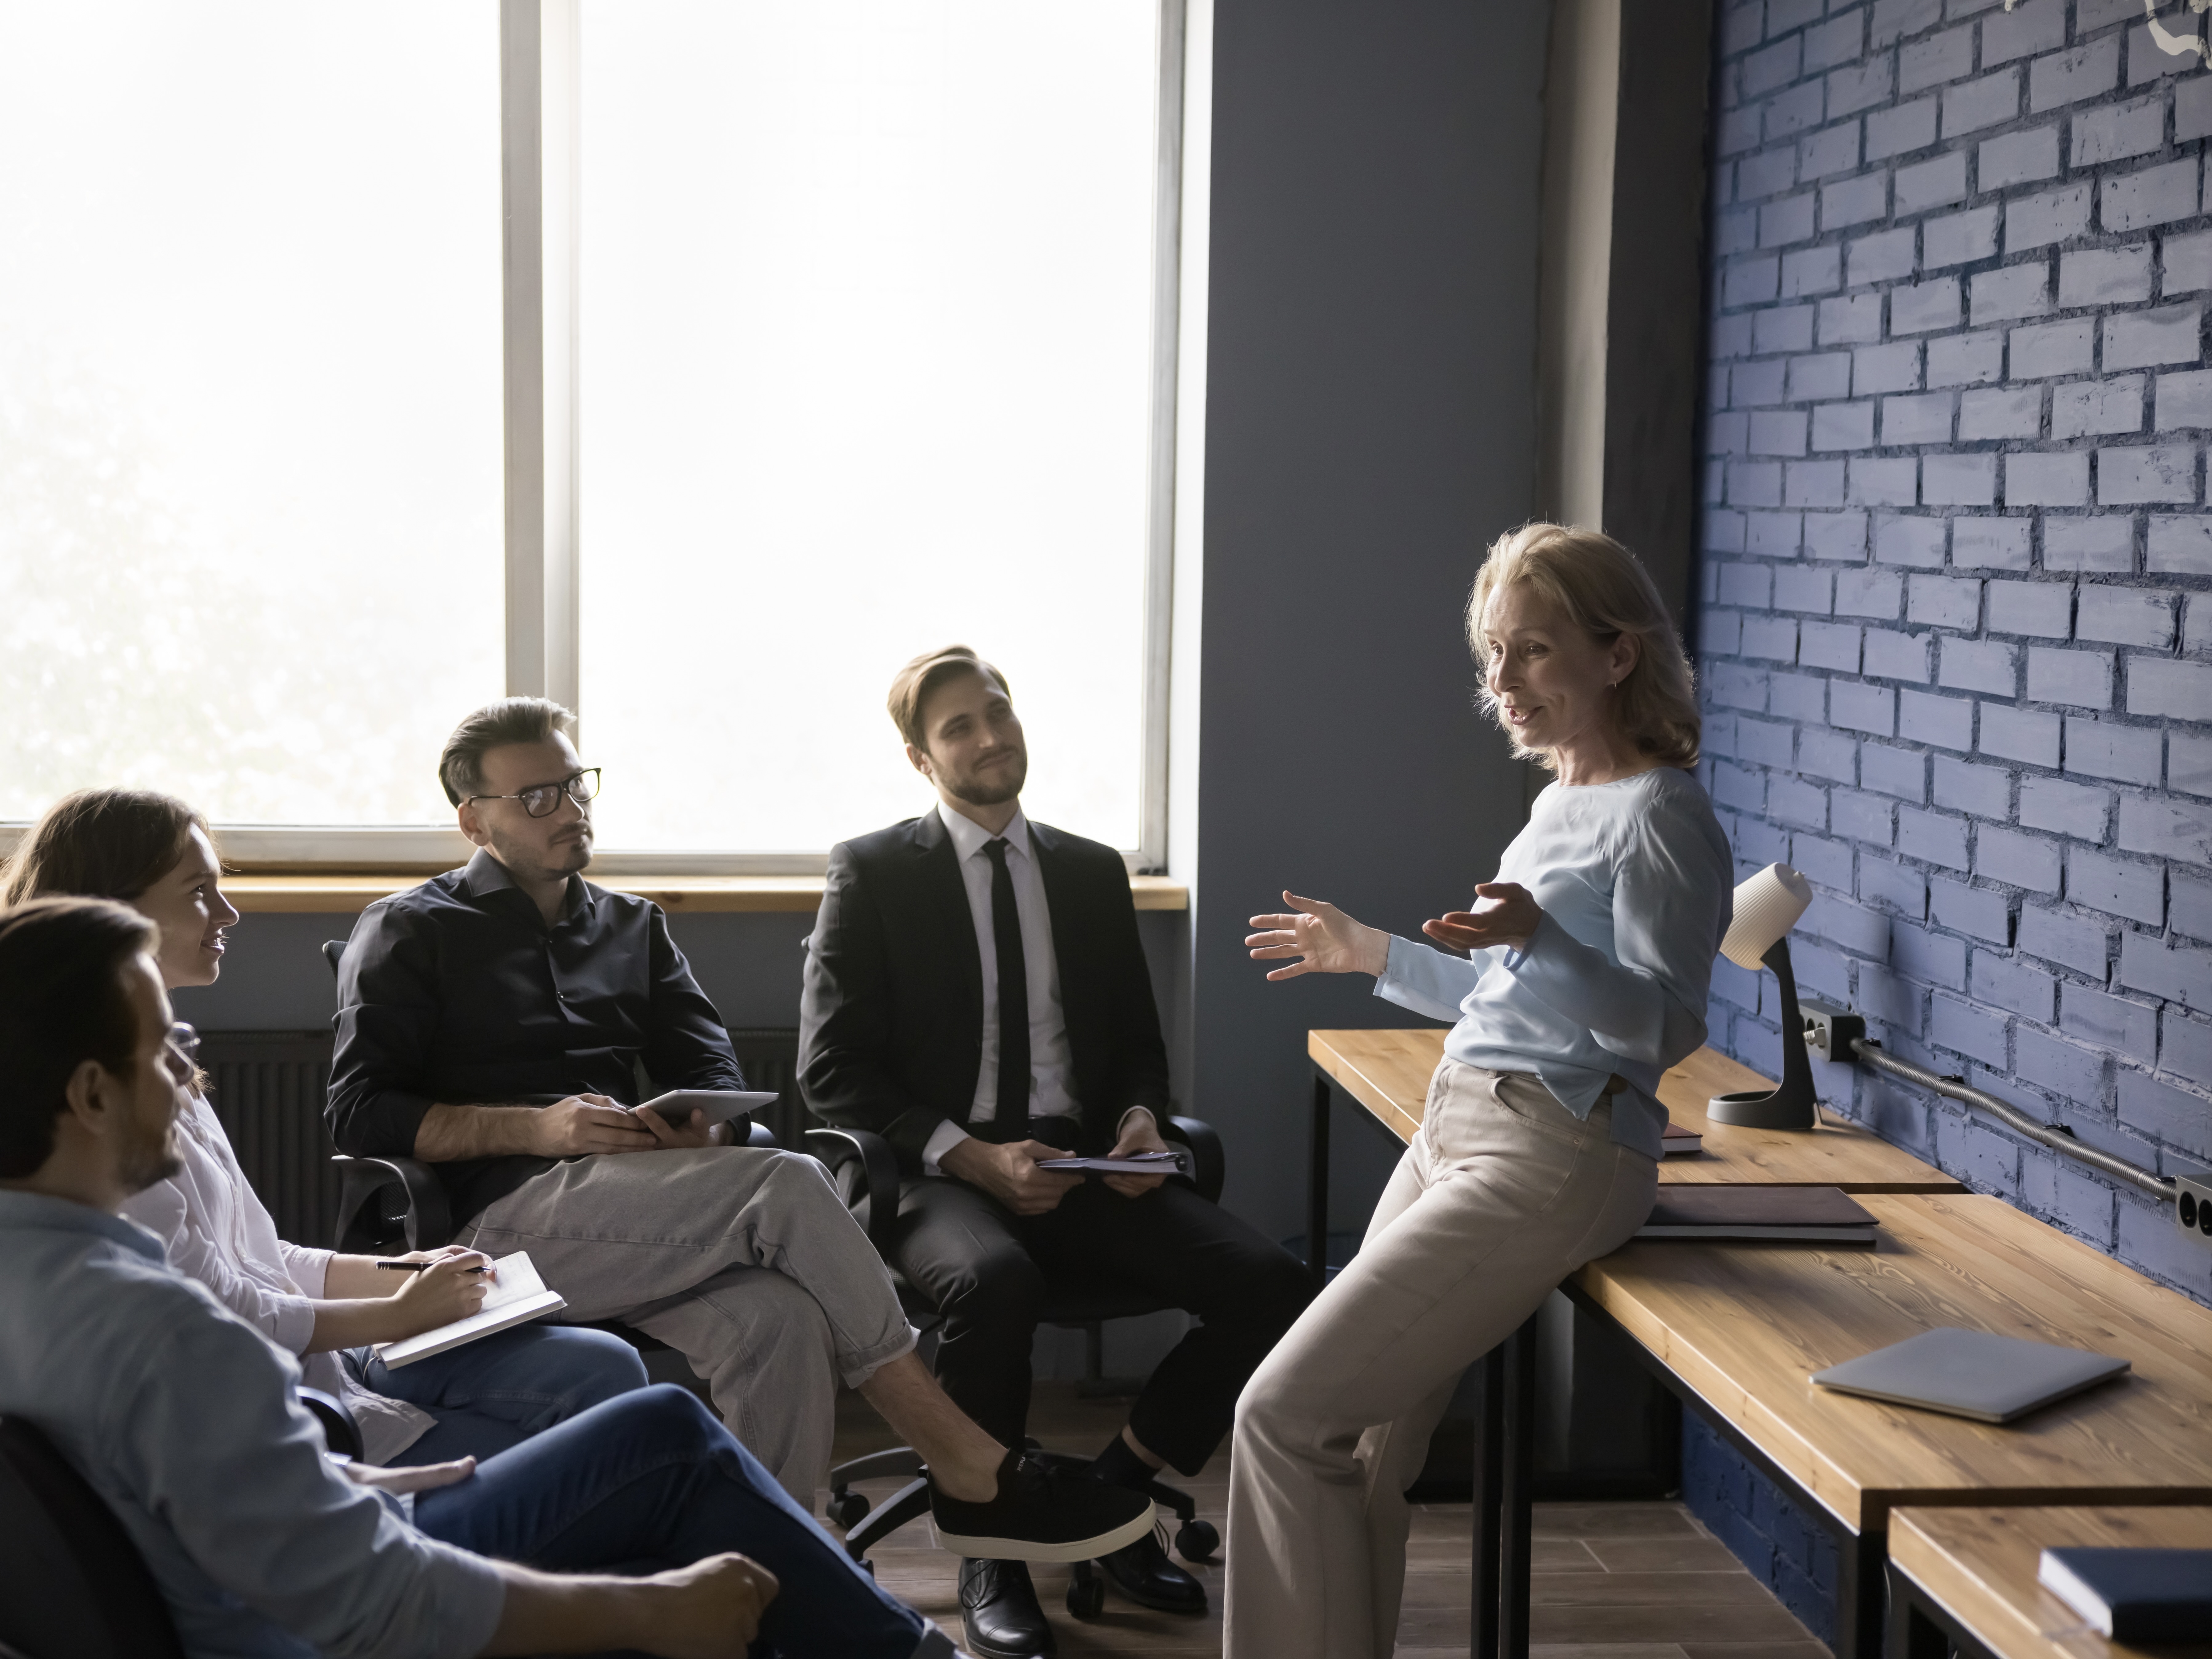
{"type": "Point", "coordinates": [1710, 1320]}
{"type": "Point", "coordinates": [1707, 1316]}
{"type": "Point", "coordinates": [1967, 1577]}
{"type": "Point", "coordinates": [1387, 1072]}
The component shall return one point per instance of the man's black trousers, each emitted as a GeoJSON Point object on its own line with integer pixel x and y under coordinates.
{"type": "Point", "coordinates": [986, 1270]}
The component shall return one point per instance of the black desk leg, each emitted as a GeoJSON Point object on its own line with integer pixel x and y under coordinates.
{"type": "Point", "coordinates": [1318, 1186]}
{"type": "Point", "coordinates": [1912, 1634]}
{"type": "Point", "coordinates": [1859, 1593]}
{"type": "Point", "coordinates": [1489, 1503]}
{"type": "Point", "coordinates": [1922, 1628]}
{"type": "Point", "coordinates": [1516, 1511]}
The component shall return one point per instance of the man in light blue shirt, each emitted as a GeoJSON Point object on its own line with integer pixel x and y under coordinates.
{"type": "Point", "coordinates": [185, 1420]}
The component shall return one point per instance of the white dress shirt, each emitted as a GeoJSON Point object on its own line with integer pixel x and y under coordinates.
{"type": "Point", "coordinates": [216, 1230]}
{"type": "Point", "coordinates": [1050, 1065]}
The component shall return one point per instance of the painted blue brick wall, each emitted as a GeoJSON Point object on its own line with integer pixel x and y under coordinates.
{"type": "Point", "coordinates": [1955, 625]}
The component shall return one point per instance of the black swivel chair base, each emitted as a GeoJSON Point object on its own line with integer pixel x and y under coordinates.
{"type": "Point", "coordinates": [1194, 1540]}
{"type": "Point", "coordinates": [861, 1165]}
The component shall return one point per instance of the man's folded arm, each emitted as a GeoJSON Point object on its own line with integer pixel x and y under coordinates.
{"type": "Point", "coordinates": [387, 1015]}
{"type": "Point", "coordinates": [1140, 1051]}
{"type": "Point", "coordinates": [844, 1022]}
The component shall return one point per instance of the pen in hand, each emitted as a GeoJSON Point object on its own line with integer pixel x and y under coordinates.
{"type": "Point", "coordinates": [418, 1266]}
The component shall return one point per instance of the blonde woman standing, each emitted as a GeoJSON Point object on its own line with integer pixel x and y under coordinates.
{"type": "Point", "coordinates": [1587, 968]}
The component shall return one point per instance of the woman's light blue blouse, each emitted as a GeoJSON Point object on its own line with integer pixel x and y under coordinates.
{"type": "Point", "coordinates": [1637, 886]}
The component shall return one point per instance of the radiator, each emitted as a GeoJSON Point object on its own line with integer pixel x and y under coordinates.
{"type": "Point", "coordinates": [267, 1088]}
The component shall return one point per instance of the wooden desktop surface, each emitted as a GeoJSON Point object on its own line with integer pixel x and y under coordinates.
{"type": "Point", "coordinates": [1744, 1324]}
{"type": "Point", "coordinates": [1980, 1564]}
{"type": "Point", "coordinates": [1387, 1074]}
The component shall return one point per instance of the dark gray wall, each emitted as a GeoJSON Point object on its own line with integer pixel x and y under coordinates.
{"type": "Point", "coordinates": [1368, 427]}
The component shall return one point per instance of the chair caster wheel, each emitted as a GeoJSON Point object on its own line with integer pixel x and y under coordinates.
{"type": "Point", "coordinates": [1196, 1541]}
{"type": "Point", "coordinates": [1086, 1596]}
{"type": "Point", "coordinates": [847, 1508]}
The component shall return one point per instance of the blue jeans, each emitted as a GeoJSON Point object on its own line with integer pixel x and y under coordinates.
{"type": "Point", "coordinates": [651, 1480]}
{"type": "Point", "coordinates": [490, 1396]}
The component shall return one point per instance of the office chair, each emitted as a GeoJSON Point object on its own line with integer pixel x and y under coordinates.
{"type": "Point", "coordinates": [369, 1225]}
{"type": "Point", "coordinates": [863, 1167]}
{"type": "Point", "coordinates": [75, 1586]}
{"type": "Point", "coordinates": [421, 1215]}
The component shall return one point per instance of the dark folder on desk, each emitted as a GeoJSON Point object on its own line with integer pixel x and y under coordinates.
{"type": "Point", "coordinates": [2134, 1596]}
{"type": "Point", "coordinates": [1728, 1213]}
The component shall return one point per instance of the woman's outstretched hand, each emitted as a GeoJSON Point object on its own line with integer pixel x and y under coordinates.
{"type": "Point", "coordinates": [1323, 938]}
{"type": "Point", "coordinates": [1511, 921]}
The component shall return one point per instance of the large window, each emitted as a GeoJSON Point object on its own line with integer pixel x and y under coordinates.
{"type": "Point", "coordinates": [250, 447]}
{"type": "Point", "coordinates": [830, 332]}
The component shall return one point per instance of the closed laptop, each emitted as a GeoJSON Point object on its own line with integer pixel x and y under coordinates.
{"type": "Point", "coordinates": [1990, 1378]}
{"type": "Point", "coordinates": [1726, 1213]}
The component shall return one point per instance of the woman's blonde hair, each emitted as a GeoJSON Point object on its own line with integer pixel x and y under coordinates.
{"type": "Point", "coordinates": [1604, 588]}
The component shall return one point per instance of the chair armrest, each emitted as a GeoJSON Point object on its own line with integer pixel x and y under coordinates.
{"type": "Point", "coordinates": [340, 1432]}
{"type": "Point", "coordinates": [1209, 1168]}
{"type": "Point", "coordinates": [427, 1220]}
{"type": "Point", "coordinates": [864, 1169]}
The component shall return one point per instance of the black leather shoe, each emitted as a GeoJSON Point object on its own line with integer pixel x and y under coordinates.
{"type": "Point", "coordinates": [1143, 1572]}
{"type": "Point", "coordinates": [1000, 1613]}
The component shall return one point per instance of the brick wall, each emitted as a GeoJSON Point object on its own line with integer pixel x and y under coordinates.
{"type": "Point", "coordinates": [1956, 627]}
{"type": "Point", "coordinates": [1956, 638]}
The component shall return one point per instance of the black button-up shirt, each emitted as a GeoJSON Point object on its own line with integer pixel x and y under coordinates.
{"type": "Point", "coordinates": [458, 991]}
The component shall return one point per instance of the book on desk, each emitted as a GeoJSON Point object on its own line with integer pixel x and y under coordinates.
{"type": "Point", "coordinates": [1759, 1215]}
{"type": "Point", "coordinates": [2134, 1596]}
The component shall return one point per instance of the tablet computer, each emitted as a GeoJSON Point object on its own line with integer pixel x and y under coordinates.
{"type": "Point", "coordinates": [721, 1105]}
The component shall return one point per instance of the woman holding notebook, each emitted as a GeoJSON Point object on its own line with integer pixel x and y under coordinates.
{"type": "Point", "coordinates": [1585, 977]}
{"type": "Point", "coordinates": [154, 854]}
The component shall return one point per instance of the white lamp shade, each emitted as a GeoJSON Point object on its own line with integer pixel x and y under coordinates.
{"type": "Point", "coordinates": [1766, 908]}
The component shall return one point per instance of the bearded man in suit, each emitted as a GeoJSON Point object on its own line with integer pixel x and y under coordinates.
{"type": "Point", "coordinates": [976, 994]}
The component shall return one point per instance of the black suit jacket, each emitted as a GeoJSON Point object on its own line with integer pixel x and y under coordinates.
{"type": "Point", "coordinates": [890, 1023]}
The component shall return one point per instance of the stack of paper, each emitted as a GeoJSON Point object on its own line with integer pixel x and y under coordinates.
{"type": "Point", "coordinates": [518, 1295]}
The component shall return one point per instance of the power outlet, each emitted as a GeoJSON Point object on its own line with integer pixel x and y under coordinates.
{"type": "Point", "coordinates": [1830, 1030]}
{"type": "Point", "coordinates": [2192, 1204]}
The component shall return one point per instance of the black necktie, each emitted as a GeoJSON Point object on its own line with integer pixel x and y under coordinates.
{"type": "Point", "coordinates": [1012, 1122]}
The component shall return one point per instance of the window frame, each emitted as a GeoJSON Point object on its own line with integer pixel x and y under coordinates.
{"type": "Point", "coordinates": [540, 138]}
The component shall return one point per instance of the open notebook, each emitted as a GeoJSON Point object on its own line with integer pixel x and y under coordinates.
{"type": "Point", "coordinates": [517, 1295]}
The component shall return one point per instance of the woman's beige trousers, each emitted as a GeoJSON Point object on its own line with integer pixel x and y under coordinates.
{"type": "Point", "coordinates": [1503, 1193]}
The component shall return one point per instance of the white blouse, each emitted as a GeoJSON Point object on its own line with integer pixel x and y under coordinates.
{"type": "Point", "coordinates": [217, 1229]}
{"type": "Point", "coordinates": [1637, 887]}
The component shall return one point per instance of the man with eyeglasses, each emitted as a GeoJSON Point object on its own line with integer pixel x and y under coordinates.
{"type": "Point", "coordinates": [493, 1022]}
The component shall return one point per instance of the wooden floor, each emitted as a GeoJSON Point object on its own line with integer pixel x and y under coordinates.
{"type": "Point", "coordinates": [1613, 1581]}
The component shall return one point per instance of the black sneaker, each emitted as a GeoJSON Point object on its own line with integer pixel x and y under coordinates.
{"type": "Point", "coordinates": [1042, 1516]}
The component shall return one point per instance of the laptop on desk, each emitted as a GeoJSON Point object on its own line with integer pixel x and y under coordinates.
{"type": "Point", "coordinates": [1975, 1374]}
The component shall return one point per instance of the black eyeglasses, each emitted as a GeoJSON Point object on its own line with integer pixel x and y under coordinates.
{"type": "Point", "coordinates": [545, 798]}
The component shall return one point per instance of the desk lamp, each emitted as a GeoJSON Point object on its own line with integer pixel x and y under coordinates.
{"type": "Point", "coordinates": [1766, 908]}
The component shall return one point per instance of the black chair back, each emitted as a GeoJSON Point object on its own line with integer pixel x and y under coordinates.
{"type": "Point", "coordinates": [74, 1585]}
